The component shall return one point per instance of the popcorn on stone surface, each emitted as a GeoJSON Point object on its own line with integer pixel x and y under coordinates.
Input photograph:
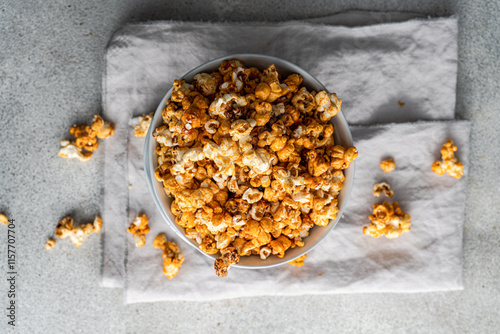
{"type": "Point", "coordinates": [250, 161]}
{"type": "Point", "coordinates": [298, 262]}
{"type": "Point", "coordinates": [448, 163]}
{"type": "Point", "coordinates": [78, 235]}
{"type": "Point", "coordinates": [50, 244]}
{"type": "Point", "coordinates": [388, 220]}
{"type": "Point", "coordinates": [3, 219]}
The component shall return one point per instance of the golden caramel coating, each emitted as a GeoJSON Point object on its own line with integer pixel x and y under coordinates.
{"type": "Point", "coordinates": [50, 244]}
{"type": "Point", "coordinates": [3, 219]}
{"type": "Point", "coordinates": [141, 130]}
{"type": "Point", "coordinates": [298, 262]}
{"type": "Point", "coordinates": [388, 220]}
{"type": "Point", "coordinates": [69, 150]}
{"type": "Point", "coordinates": [172, 255]}
{"type": "Point", "coordinates": [78, 235]}
{"type": "Point", "coordinates": [139, 228]}
{"type": "Point", "coordinates": [85, 137]}
{"type": "Point", "coordinates": [250, 161]}
{"type": "Point", "coordinates": [382, 188]}
{"type": "Point", "coordinates": [101, 128]}
{"type": "Point", "coordinates": [388, 165]}
{"type": "Point", "coordinates": [448, 163]}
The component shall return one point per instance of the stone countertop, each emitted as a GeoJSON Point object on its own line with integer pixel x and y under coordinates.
{"type": "Point", "coordinates": [51, 63]}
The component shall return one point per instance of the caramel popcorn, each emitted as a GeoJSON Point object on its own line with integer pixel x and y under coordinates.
{"type": "Point", "coordinates": [141, 130]}
{"type": "Point", "coordinates": [298, 262]}
{"type": "Point", "coordinates": [448, 163]}
{"type": "Point", "coordinates": [50, 244]}
{"type": "Point", "coordinates": [382, 188]}
{"type": "Point", "coordinates": [78, 235]}
{"type": "Point", "coordinates": [3, 219]}
{"type": "Point", "coordinates": [388, 220]}
{"type": "Point", "coordinates": [69, 150]}
{"type": "Point", "coordinates": [388, 165]}
{"type": "Point", "coordinates": [172, 255]}
{"type": "Point", "coordinates": [86, 139]}
{"type": "Point", "coordinates": [250, 161]}
{"type": "Point", "coordinates": [139, 228]}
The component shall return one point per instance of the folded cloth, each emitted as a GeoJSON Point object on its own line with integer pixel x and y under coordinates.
{"type": "Point", "coordinates": [375, 69]}
{"type": "Point", "coordinates": [427, 258]}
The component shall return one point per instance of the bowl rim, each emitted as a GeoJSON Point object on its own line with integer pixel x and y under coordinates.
{"type": "Point", "coordinates": [245, 58]}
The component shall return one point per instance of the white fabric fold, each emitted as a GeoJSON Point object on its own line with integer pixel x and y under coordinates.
{"type": "Point", "coordinates": [428, 258]}
{"type": "Point", "coordinates": [372, 68]}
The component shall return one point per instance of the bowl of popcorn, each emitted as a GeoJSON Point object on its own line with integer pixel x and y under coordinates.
{"type": "Point", "coordinates": [249, 160]}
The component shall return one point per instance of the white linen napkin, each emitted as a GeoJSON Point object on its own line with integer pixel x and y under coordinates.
{"type": "Point", "coordinates": [372, 68]}
{"type": "Point", "coordinates": [428, 258]}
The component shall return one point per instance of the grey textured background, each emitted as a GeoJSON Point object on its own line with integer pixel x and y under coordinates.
{"type": "Point", "coordinates": [51, 63]}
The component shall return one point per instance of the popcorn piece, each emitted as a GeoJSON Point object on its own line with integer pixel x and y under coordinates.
{"type": "Point", "coordinates": [50, 244]}
{"type": "Point", "coordinates": [3, 219]}
{"type": "Point", "coordinates": [141, 130]}
{"type": "Point", "coordinates": [384, 188]}
{"type": "Point", "coordinates": [388, 220]}
{"type": "Point", "coordinates": [102, 128]}
{"type": "Point", "coordinates": [298, 262]}
{"type": "Point", "coordinates": [448, 163]}
{"type": "Point", "coordinates": [388, 165]}
{"type": "Point", "coordinates": [342, 157]}
{"type": "Point", "coordinates": [228, 257]}
{"type": "Point", "coordinates": [85, 137]}
{"type": "Point", "coordinates": [139, 228]}
{"type": "Point", "coordinates": [69, 150]}
{"type": "Point", "coordinates": [207, 83]}
{"type": "Point", "coordinates": [79, 234]}
{"type": "Point", "coordinates": [172, 255]}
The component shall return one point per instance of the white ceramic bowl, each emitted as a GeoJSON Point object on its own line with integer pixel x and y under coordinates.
{"type": "Point", "coordinates": [342, 136]}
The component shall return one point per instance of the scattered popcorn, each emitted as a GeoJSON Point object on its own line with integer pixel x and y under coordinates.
{"type": "Point", "coordinates": [79, 234]}
{"type": "Point", "coordinates": [449, 163]}
{"type": "Point", "coordinates": [3, 219]}
{"type": "Point", "coordinates": [172, 255]}
{"type": "Point", "coordinates": [382, 188]}
{"type": "Point", "coordinates": [141, 130]}
{"type": "Point", "coordinates": [139, 228]}
{"type": "Point", "coordinates": [50, 243]}
{"type": "Point", "coordinates": [86, 139]}
{"type": "Point", "coordinates": [70, 151]}
{"type": "Point", "coordinates": [387, 220]}
{"type": "Point", "coordinates": [298, 262]}
{"type": "Point", "coordinates": [250, 161]}
{"type": "Point", "coordinates": [388, 165]}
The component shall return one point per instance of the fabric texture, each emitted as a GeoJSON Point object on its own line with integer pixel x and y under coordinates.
{"type": "Point", "coordinates": [384, 72]}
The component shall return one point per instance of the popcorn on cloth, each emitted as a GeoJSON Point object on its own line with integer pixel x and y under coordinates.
{"type": "Point", "coordinates": [388, 220]}
{"type": "Point", "coordinates": [298, 262]}
{"type": "Point", "coordinates": [388, 165]}
{"type": "Point", "coordinates": [86, 139]}
{"type": "Point", "coordinates": [139, 228]}
{"type": "Point", "coordinates": [78, 235]}
{"type": "Point", "coordinates": [250, 161]}
{"type": "Point", "coordinates": [172, 255]}
{"type": "Point", "coordinates": [382, 188]}
{"type": "Point", "coordinates": [448, 163]}
{"type": "Point", "coordinates": [141, 130]}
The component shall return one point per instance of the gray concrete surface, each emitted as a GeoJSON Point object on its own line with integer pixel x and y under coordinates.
{"type": "Point", "coordinates": [51, 62]}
